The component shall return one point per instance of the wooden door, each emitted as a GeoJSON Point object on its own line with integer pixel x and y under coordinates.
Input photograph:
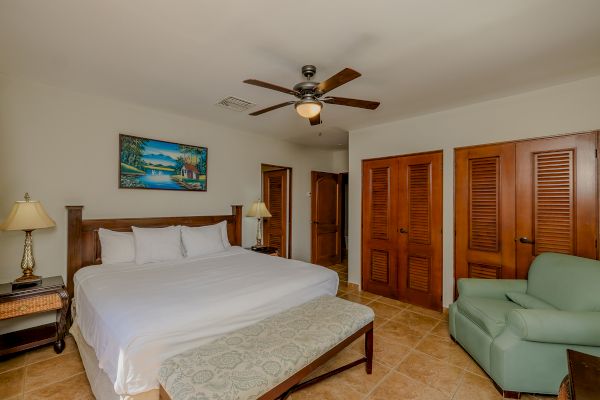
{"type": "Point", "coordinates": [326, 210]}
{"type": "Point", "coordinates": [557, 208]}
{"type": "Point", "coordinates": [484, 207]}
{"type": "Point", "coordinates": [275, 195]}
{"type": "Point", "coordinates": [379, 226]}
{"type": "Point", "coordinates": [420, 229]}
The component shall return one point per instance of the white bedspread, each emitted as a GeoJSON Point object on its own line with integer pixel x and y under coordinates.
{"type": "Point", "coordinates": [135, 316]}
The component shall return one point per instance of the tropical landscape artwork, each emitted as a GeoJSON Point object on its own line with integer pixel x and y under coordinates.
{"type": "Point", "coordinates": [155, 164]}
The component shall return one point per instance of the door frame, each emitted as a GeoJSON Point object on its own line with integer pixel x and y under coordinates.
{"type": "Point", "coordinates": [289, 205]}
{"type": "Point", "coordinates": [363, 161]}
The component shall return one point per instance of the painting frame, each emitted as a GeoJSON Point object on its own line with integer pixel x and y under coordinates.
{"type": "Point", "coordinates": [161, 165]}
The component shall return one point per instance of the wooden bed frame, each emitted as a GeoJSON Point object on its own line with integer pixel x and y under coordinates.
{"type": "Point", "coordinates": [83, 244]}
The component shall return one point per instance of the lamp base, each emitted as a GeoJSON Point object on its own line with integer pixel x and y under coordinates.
{"type": "Point", "coordinates": [26, 281]}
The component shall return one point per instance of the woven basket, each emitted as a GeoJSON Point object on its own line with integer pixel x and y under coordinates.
{"type": "Point", "coordinates": [30, 305]}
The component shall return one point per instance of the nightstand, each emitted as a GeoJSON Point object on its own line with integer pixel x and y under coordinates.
{"type": "Point", "coordinates": [272, 251]}
{"type": "Point", "coordinates": [47, 296]}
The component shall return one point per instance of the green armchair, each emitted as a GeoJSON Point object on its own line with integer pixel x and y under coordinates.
{"type": "Point", "coordinates": [518, 330]}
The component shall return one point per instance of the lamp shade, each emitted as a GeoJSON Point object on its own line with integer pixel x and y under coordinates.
{"type": "Point", "coordinates": [27, 215]}
{"type": "Point", "coordinates": [258, 209]}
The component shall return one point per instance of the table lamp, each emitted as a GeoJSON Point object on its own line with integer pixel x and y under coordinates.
{"type": "Point", "coordinates": [258, 210]}
{"type": "Point", "coordinates": [27, 216]}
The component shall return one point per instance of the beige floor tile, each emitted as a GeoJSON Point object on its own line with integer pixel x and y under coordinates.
{"type": "Point", "coordinates": [369, 295]}
{"type": "Point", "coordinates": [348, 287]}
{"type": "Point", "coordinates": [343, 276]}
{"type": "Point", "coordinates": [441, 329]}
{"type": "Point", "coordinates": [416, 321]}
{"type": "Point", "coordinates": [11, 362]}
{"type": "Point", "coordinates": [357, 298]}
{"type": "Point", "coordinates": [400, 333]}
{"type": "Point", "coordinates": [357, 378]}
{"type": "Point", "coordinates": [474, 368]}
{"type": "Point", "coordinates": [444, 349]}
{"type": "Point", "coordinates": [325, 391]}
{"type": "Point", "coordinates": [11, 383]}
{"type": "Point", "coordinates": [387, 352]}
{"type": "Point", "coordinates": [384, 310]}
{"type": "Point", "coordinates": [427, 312]}
{"type": "Point", "coordinates": [474, 387]}
{"type": "Point", "coordinates": [47, 352]}
{"type": "Point", "coordinates": [426, 369]}
{"type": "Point", "coordinates": [393, 302]}
{"type": "Point", "coordinates": [74, 388]}
{"type": "Point", "coordinates": [52, 370]}
{"type": "Point", "coordinates": [398, 386]}
{"type": "Point", "coordinates": [379, 322]}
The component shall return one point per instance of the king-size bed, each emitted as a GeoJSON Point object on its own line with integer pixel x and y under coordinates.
{"type": "Point", "coordinates": [128, 317]}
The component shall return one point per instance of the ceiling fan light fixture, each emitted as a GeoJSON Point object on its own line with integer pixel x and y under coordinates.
{"type": "Point", "coordinates": [308, 108]}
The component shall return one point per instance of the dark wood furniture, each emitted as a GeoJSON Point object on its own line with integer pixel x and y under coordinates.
{"type": "Point", "coordinates": [583, 380]}
{"type": "Point", "coordinates": [49, 295]}
{"type": "Point", "coordinates": [402, 228]}
{"type": "Point", "coordinates": [515, 200]}
{"type": "Point", "coordinates": [83, 244]}
{"type": "Point", "coordinates": [269, 250]}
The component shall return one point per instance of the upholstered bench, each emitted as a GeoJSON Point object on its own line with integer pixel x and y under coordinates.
{"type": "Point", "coordinates": [268, 360]}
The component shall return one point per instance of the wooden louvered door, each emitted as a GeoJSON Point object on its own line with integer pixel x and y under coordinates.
{"type": "Point", "coordinates": [484, 207]}
{"type": "Point", "coordinates": [275, 194]}
{"type": "Point", "coordinates": [420, 229]}
{"type": "Point", "coordinates": [379, 226]}
{"type": "Point", "coordinates": [557, 209]}
{"type": "Point", "coordinates": [326, 210]}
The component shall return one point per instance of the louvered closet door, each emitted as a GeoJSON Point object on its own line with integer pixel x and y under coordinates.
{"type": "Point", "coordinates": [275, 197]}
{"type": "Point", "coordinates": [420, 230]}
{"type": "Point", "coordinates": [556, 198]}
{"type": "Point", "coordinates": [379, 236]}
{"type": "Point", "coordinates": [484, 206]}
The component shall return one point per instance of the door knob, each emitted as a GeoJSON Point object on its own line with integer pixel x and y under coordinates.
{"type": "Point", "coordinates": [525, 240]}
{"type": "Point", "coordinates": [402, 230]}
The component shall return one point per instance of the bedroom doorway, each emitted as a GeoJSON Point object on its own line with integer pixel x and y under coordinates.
{"type": "Point", "coordinates": [277, 195]}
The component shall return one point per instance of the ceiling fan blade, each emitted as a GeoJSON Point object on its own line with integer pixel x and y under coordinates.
{"type": "Point", "coordinates": [316, 120]}
{"type": "Point", "coordinates": [275, 107]}
{"type": "Point", "coordinates": [270, 86]}
{"type": "Point", "coordinates": [344, 76]}
{"type": "Point", "coordinates": [343, 101]}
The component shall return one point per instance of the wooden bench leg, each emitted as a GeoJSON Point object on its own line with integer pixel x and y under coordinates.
{"type": "Point", "coordinates": [369, 350]}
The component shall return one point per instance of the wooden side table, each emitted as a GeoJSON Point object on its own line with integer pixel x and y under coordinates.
{"type": "Point", "coordinates": [50, 295]}
{"type": "Point", "coordinates": [272, 251]}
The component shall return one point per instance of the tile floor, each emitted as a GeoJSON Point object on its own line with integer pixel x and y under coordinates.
{"type": "Point", "coordinates": [414, 359]}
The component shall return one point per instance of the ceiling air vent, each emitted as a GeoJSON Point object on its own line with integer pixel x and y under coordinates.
{"type": "Point", "coordinates": [235, 104]}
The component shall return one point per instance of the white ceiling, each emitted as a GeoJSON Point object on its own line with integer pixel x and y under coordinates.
{"type": "Point", "coordinates": [416, 56]}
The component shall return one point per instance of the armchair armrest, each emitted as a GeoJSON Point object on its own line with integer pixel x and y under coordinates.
{"type": "Point", "coordinates": [556, 326]}
{"type": "Point", "coordinates": [490, 288]}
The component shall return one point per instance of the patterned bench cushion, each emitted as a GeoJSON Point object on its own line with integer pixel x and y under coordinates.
{"type": "Point", "coordinates": [249, 362]}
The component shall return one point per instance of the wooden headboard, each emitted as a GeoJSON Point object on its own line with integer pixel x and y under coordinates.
{"type": "Point", "coordinates": [83, 244]}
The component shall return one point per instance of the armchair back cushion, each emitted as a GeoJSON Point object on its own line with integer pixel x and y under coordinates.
{"type": "Point", "coordinates": [568, 283]}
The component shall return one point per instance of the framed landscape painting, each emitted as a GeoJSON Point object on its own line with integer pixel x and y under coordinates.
{"type": "Point", "coordinates": [155, 164]}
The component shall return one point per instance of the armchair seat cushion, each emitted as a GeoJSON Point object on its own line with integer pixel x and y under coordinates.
{"type": "Point", "coordinates": [489, 314]}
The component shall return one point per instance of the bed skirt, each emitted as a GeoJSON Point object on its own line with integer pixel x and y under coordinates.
{"type": "Point", "coordinates": [101, 385]}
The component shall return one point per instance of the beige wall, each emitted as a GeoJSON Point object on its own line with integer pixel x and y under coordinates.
{"type": "Point", "coordinates": [62, 147]}
{"type": "Point", "coordinates": [566, 108]}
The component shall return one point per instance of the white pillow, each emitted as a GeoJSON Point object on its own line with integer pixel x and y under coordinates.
{"type": "Point", "coordinates": [116, 247]}
{"type": "Point", "coordinates": [202, 240]}
{"type": "Point", "coordinates": [223, 226]}
{"type": "Point", "coordinates": [157, 244]}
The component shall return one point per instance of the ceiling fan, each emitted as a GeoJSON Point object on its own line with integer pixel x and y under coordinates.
{"type": "Point", "coordinates": [310, 94]}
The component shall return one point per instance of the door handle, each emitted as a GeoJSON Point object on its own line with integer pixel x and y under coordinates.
{"type": "Point", "coordinates": [525, 240]}
{"type": "Point", "coordinates": [316, 222]}
{"type": "Point", "coordinates": [402, 230]}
